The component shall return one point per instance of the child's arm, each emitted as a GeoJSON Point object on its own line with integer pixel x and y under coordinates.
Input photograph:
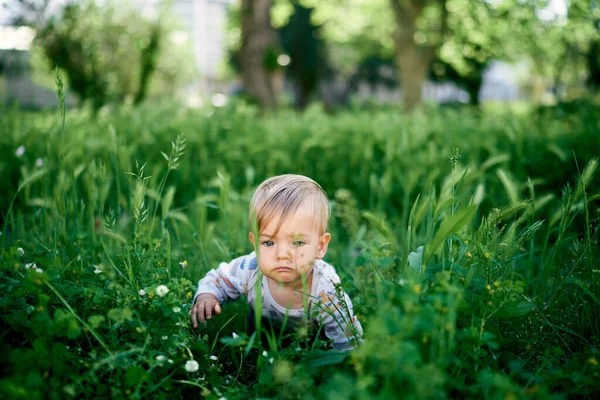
{"type": "Point", "coordinates": [228, 281]}
{"type": "Point", "coordinates": [338, 320]}
{"type": "Point", "coordinates": [203, 308]}
{"type": "Point", "coordinates": [334, 308]}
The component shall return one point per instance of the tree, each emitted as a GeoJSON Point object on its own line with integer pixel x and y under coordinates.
{"type": "Point", "coordinates": [261, 75]}
{"type": "Point", "coordinates": [301, 40]}
{"type": "Point", "coordinates": [413, 54]}
{"type": "Point", "coordinates": [111, 53]}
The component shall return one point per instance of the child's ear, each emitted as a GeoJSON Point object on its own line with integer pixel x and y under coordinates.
{"type": "Point", "coordinates": [251, 237]}
{"type": "Point", "coordinates": [323, 243]}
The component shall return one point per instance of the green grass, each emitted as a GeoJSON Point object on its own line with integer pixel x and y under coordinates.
{"type": "Point", "coordinates": [503, 301]}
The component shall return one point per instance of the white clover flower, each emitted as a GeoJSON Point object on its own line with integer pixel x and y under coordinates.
{"type": "Point", "coordinates": [176, 310]}
{"type": "Point", "coordinates": [160, 358]}
{"type": "Point", "coordinates": [170, 361]}
{"type": "Point", "coordinates": [214, 358]}
{"type": "Point", "coordinates": [222, 398]}
{"type": "Point", "coordinates": [39, 162]}
{"type": "Point", "coordinates": [30, 265]}
{"type": "Point", "coordinates": [271, 360]}
{"type": "Point", "coordinates": [20, 252]}
{"type": "Point", "coordinates": [162, 290]}
{"type": "Point", "coordinates": [39, 270]}
{"type": "Point", "coordinates": [235, 335]}
{"type": "Point", "coordinates": [164, 337]}
{"type": "Point", "coordinates": [183, 264]}
{"type": "Point", "coordinates": [142, 292]}
{"type": "Point", "coordinates": [79, 257]}
{"type": "Point", "coordinates": [20, 151]}
{"type": "Point", "coordinates": [192, 366]}
{"type": "Point", "coordinates": [97, 269]}
{"type": "Point", "coordinates": [264, 353]}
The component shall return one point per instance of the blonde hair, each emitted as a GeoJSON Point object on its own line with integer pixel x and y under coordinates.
{"type": "Point", "coordinates": [280, 196]}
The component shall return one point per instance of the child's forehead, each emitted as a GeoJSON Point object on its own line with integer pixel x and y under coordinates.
{"type": "Point", "coordinates": [301, 222]}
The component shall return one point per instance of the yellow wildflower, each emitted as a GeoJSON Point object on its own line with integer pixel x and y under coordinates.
{"type": "Point", "coordinates": [417, 289]}
{"type": "Point", "coordinates": [469, 255]}
{"type": "Point", "coordinates": [488, 287]}
{"type": "Point", "coordinates": [593, 361]}
{"type": "Point", "coordinates": [486, 255]}
{"type": "Point", "coordinates": [189, 295]}
{"type": "Point", "coordinates": [497, 284]}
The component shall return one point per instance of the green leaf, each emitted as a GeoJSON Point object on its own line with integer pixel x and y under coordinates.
{"type": "Point", "coordinates": [120, 314]}
{"type": "Point", "coordinates": [514, 310]}
{"type": "Point", "coordinates": [96, 320]}
{"type": "Point", "coordinates": [319, 358]}
{"type": "Point", "coordinates": [450, 226]}
{"type": "Point", "coordinates": [510, 186]}
{"type": "Point", "coordinates": [415, 259]}
{"type": "Point", "coordinates": [134, 376]}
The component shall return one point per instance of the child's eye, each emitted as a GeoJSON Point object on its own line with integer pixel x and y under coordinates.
{"type": "Point", "coordinates": [268, 243]}
{"type": "Point", "coordinates": [298, 243]}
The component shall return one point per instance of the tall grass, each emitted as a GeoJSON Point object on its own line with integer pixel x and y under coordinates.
{"type": "Point", "coordinates": [502, 300]}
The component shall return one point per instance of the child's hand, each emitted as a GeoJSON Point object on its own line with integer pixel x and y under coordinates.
{"type": "Point", "coordinates": [203, 309]}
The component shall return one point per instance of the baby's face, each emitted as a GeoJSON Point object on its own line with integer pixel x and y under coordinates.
{"type": "Point", "coordinates": [289, 254]}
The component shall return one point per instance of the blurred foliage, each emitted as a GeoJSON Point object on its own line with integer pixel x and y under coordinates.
{"type": "Point", "coordinates": [111, 53]}
{"type": "Point", "coordinates": [559, 48]}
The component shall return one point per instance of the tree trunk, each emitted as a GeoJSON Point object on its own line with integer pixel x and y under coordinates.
{"type": "Point", "coordinates": [149, 57]}
{"type": "Point", "coordinates": [260, 77]}
{"type": "Point", "coordinates": [413, 66]}
{"type": "Point", "coordinates": [413, 60]}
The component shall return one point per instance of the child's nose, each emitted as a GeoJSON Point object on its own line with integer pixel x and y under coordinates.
{"type": "Point", "coordinates": [283, 252]}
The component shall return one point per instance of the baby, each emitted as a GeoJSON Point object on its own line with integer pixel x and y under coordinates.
{"type": "Point", "coordinates": [291, 213]}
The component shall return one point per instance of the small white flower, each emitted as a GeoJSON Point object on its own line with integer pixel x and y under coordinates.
{"type": "Point", "coordinates": [164, 337]}
{"type": "Point", "coordinates": [402, 282]}
{"type": "Point", "coordinates": [235, 335]}
{"type": "Point", "coordinates": [162, 290]}
{"type": "Point", "coordinates": [79, 257]}
{"type": "Point", "coordinates": [214, 358]}
{"type": "Point", "coordinates": [97, 269]}
{"type": "Point", "coordinates": [20, 151]}
{"type": "Point", "coordinates": [271, 360]}
{"type": "Point", "coordinates": [170, 361]}
{"type": "Point", "coordinates": [39, 270]}
{"type": "Point", "coordinates": [202, 378]}
{"type": "Point", "coordinates": [176, 310]}
{"type": "Point", "coordinates": [192, 366]}
{"type": "Point", "coordinates": [20, 252]}
{"type": "Point", "coordinates": [222, 398]}
{"type": "Point", "coordinates": [183, 264]}
{"type": "Point", "coordinates": [264, 353]}
{"type": "Point", "coordinates": [160, 358]}
{"type": "Point", "coordinates": [142, 292]}
{"type": "Point", "coordinates": [30, 265]}
{"type": "Point", "coordinates": [39, 162]}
